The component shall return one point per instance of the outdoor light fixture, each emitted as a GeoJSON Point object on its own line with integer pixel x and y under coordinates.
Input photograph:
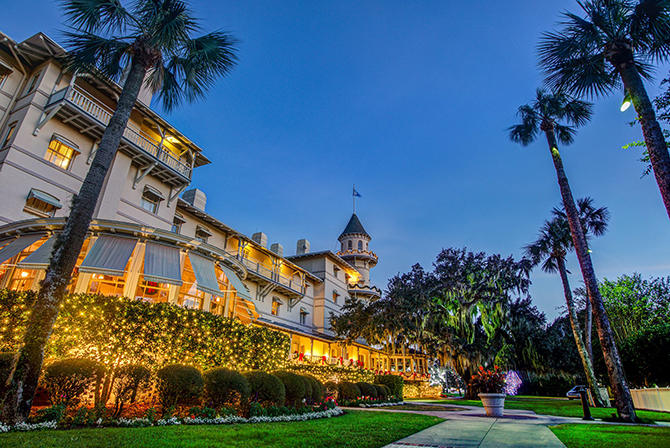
{"type": "Point", "coordinates": [626, 102]}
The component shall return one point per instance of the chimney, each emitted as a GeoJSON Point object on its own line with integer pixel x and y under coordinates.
{"type": "Point", "coordinates": [302, 247]}
{"type": "Point", "coordinates": [278, 249]}
{"type": "Point", "coordinates": [196, 198]}
{"type": "Point", "coordinates": [260, 238]}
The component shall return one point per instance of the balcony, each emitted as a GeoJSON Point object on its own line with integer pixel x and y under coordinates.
{"type": "Point", "coordinates": [369, 291]}
{"type": "Point", "coordinates": [368, 255]}
{"type": "Point", "coordinates": [79, 109]}
{"type": "Point", "coordinates": [262, 272]}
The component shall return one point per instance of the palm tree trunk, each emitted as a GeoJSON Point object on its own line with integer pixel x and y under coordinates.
{"type": "Point", "coordinates": [653, 135]}
{"type": "Point", "coordinates": [20, 388]}
{"type": "Point", "coordinates": [622, 397]}
{"type": "Point", "coordinates": [588, 325]}
{"type": "Point", "coordinates": [577, 332]}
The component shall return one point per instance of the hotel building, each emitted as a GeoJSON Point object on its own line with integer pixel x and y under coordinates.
{"type": "Point", "coordinates": [151, 237]}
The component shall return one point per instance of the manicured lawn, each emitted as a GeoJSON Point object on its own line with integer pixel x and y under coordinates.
{"type": "Point", "coordinates": [354, 429]}
{"type": "Point", "coordinates": [558, 406]}
{"type": "Point", "coordinates": [599, 436]}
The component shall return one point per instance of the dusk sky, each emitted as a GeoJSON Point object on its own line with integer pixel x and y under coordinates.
{"type": "Point", "coordinates": [410, 101]}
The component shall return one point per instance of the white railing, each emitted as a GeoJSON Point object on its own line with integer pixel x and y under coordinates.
{"type": "Point", "coordinates": [103, 114]}
{"type": "Point", "coordinates": [259, 268]}
{"type": "Point", "coordinates": [653, 399]}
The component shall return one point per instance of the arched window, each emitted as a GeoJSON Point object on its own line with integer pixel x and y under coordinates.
{"type": "Point", "coordinates": [366, 246]}
{"type": "Point", "coordinates": [350, 245]}
{"type": "Point", "coordinates": [360, 245]}
{"type": "Point", "coordinates": [342, 246]}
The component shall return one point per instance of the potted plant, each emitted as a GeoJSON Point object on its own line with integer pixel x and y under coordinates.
{"type": "Point", "coordinates": [490, 384]}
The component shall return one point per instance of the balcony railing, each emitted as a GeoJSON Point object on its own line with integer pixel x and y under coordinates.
{"type": "Point", "coordinates": [262, 270]}
{"type": "Point", "coordinates": [101, 113]}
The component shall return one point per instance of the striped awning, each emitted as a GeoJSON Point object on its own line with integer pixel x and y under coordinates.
{"type": "Point", "coordinates": [18, 245]}
{"type": "Point", "coordinates": [245, 310]}
{"type": "Point", "coordinates": [108, 256]}
{"type": "Point", "coordinates": [205, 274]}
{"type": "Point", "coordinates": [40, 258]}
{"type": "Point", "coordinates": [45, 197]}
{"type": "Point", "coordinates": [162, 264]}
{"type": "Point", "coordinates": [236, 282]}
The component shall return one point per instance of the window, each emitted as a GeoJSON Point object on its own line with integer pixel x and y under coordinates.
{"type": "Point", "coordinates": [106, 285]}
{"type": "Point", "coordinates": [8, 134]}
{"type": "Point", "coordinates": [303, 316]}
{"type": "Point", "coordinates": [41, 205]}
{"type": "Point", "coordinates": [4, 74]}
{"type": "Point", "coordinates": [152, 291]}
{"type": "Point", "coordinates": [336, 296]}
{"type": "Point", "coordinates": [360, 245]}
{"type": "Point", "coordinates": [276, 306]}
{"type": "Point", "coordinates": [151, 197]}
{"type": "Point", "coordinates": [350, 245]}
{"type": "Point", "coordinates": [32, 83]}
{"type": "Point", "coordinates": [189, 295]}
{"type": "Point", "coordinates": [61, 152]}
{"type": "Point", "coordinates": [366, 246]}
{"type": "Point", "coordinates": [177, 222]}
{"type": "Point", "coordinates": [22, 280]}
{"type": "Point", "coordinates": [336, 271]}
{"type": "Point", "coordinates": [202, 234]}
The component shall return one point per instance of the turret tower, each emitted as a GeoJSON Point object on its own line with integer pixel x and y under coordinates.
{"type": "Point", "coordinates": [354, 249]}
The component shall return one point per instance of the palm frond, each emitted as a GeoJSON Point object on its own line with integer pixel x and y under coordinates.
{"type": "Point", "coordinates": [577, 112]}
{"type": "Point", "coordinates": [89, 52]}
{"type": "Point", "coordinates": [168, 23]}
{"type": "Point", "coordinates": [565, 134]}
{"type": "Point", "coordinates": [94, 16]}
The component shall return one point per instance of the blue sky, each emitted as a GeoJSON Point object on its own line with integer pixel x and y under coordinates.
{"type": "Point", "coordinates": [410, 101]}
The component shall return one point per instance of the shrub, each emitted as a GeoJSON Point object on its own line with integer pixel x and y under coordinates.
{"type": "Point", "coordinates": [294, 386]}
{"type": "Point", "coordinates": [266, 389]}
{"type": "Point", "coordinates": [367, 390]}
{"type": "Point", "coordinates": [308, 388]}
{"type": "Point", "coordinates": [388, 390]}
{"type": "Point", "coordinates": [332, 389]}
{"type": "Point", "coordinates": [178, 384]}
{"type": "Point", "coordinates": [317, 389]}
{"type": "Point", "coordinates": [349, 391]}
{"type": "Point", "coordinates": [6, 360]}
{"type": "Point", "coordinates": [225, 387]}
{"type": "Point", "coordinates": [394, 383]}
{"type": "Point", "coordinates": [382, 391]}
{"type": "Point", "coordinates": [128, 382]}
{"type": "Point", "coordinates": [67, 380]}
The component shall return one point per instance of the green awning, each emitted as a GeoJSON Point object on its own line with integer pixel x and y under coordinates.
{"type": "Point", "coordinates": [44, 197]}
{"type": "Point", "coordinates": [236, 282]}
{"type": "Point", "coordinates": [108, 256]}
{"type": "Point", "coordinates": [40, 258]}
{"type": "Point", "coordinates": [162, 264]}
{"type": "Point", "coordinates": [18, 245]}
{"type": "Point", "coordinates": [205, 274]}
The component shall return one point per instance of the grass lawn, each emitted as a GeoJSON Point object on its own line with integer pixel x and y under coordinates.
{"type": "Point", "coordinates": [599, 436]}
{"type": "Point", "coordinates": [354, 429]}
{"type": "Point", "coordinates": [558, 406]}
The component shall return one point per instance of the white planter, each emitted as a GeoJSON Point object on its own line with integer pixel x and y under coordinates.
{"type": "Point", "coordinates": [493, 404]}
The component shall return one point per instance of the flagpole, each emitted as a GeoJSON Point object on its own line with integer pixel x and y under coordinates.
{"type": "Point", "coordinates": [353, 194]}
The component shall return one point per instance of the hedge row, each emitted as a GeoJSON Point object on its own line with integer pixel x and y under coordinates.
{"type": "Point", "coordinates": [113, 330]}
{"type": "Point", "coordinates": [351, 391]}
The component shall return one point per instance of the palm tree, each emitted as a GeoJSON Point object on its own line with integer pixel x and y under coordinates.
{"type": "Point", "coordinates": [614, 43]}
{"type": "Point", "coordinates": [149, 42]}
{"type": "Point", "coordinates": [544, 115]}
{"type": "Point", "coordinates": [594, 221]}
{"type": "Point", "coordinates": [550, 249]}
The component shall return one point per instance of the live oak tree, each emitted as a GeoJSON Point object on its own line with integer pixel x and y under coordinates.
{"type": "Point", "coordinates": [545, 115]}
{"type": "Point", "coordinates": [550, 249]}
{"type": "Point", "coordinates": [150, 42]}
{"type": "Point", "coordinates": [613, 43]}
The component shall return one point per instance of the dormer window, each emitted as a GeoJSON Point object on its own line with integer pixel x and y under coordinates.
{"type": "Point", "coordinates": [177, 222]}
{"type": "Point", "coordinates": [151, 197]}
{"type": "Point", "coordinates": [202, 234]}
{"type": "Point", "coordinates": [61, 152]}
{"type": "Point", "coordinates": [41, 204]}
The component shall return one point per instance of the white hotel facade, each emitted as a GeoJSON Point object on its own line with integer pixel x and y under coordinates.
{"type": "Point", "coordinates": [151, 237]}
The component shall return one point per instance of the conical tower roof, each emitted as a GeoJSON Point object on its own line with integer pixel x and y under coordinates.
{"type": "Point", "coordinates": [354, 226]}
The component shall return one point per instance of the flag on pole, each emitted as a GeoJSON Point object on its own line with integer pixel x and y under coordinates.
{"type": "Point", "coordinates": [356, 193]}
